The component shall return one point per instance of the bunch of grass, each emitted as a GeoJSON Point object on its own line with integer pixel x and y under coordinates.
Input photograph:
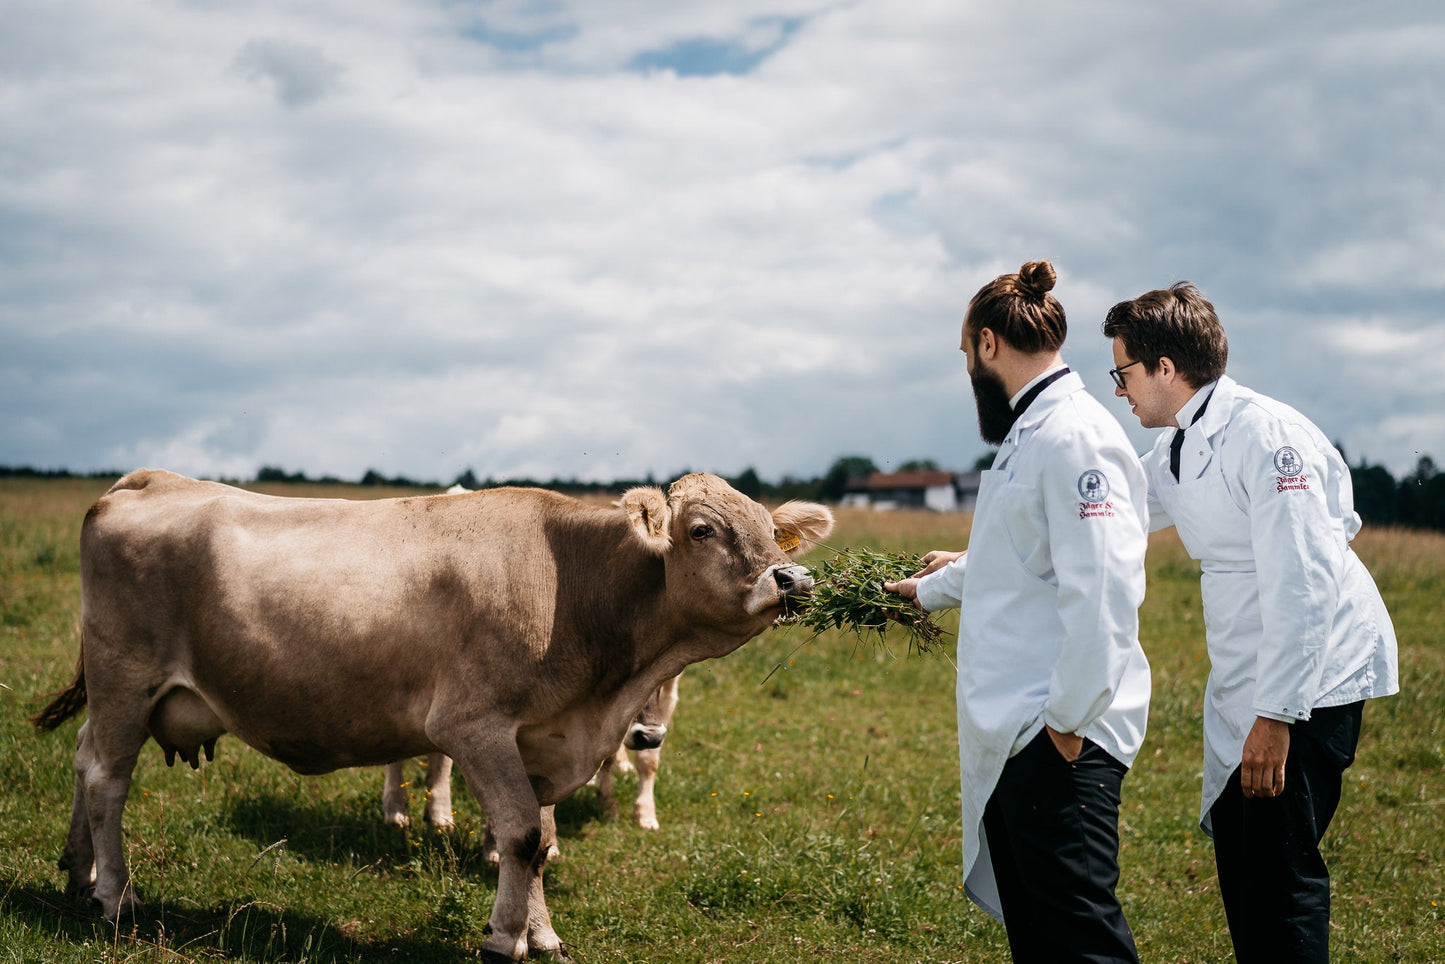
{"type": "Point", "coordinates": [848, 594]}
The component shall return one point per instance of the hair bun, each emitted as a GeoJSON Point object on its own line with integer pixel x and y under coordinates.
{"type": "Point", "coordinates": [1037, 278]}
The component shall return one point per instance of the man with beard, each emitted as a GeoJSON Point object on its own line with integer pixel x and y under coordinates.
{"type": "Point", "coordinates": [1053, 687]}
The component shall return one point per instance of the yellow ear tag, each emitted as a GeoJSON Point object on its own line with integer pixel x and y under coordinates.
{"type": "Point", "coordinates": [787, 541]}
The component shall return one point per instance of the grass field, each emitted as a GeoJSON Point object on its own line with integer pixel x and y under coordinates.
{"type": "Point", "coordinates": [807, 814]}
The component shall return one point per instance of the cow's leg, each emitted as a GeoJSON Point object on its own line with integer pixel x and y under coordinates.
{"type": "Point", "coordinates": [439, 791]}
{"type": "Point", "coordinates": [104, 761]}
{"type": "Point", "coordinates": [79, 856]}
{"type": "Point", "coordinates": [667, 699]}
{"type": "Point", "coordinates": [394, 796]}
{"type": "Point", "coordinates": [644, 811]}
{"type": "Point", "coordinates": [619, 761]}
{"type": "Point", "coordinates": [489, 846]}
{"type": "Point", "coordinates": [606, 784]}
{"type": "Point", "coordinates": [496, 775]}
{"type": "Point", "coordinates": [541, 938]}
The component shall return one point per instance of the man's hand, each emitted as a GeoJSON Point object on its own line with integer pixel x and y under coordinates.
{"type": "Point", "coordinates": [1261, 770]}
{"type": "Point", "coordinates": [1069, 745]}
{"type": "Point", "coordinates": [936, 560]}
{"type": "Point", "coordinates": [932, 562]}
{"type": "Point", "coordinates": [907, 588]}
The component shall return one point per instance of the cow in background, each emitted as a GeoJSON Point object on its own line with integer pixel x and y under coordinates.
{"type": "Point", "coordinates": [644, 738]}
{"type": "Point", "coordinates": [437, 811]}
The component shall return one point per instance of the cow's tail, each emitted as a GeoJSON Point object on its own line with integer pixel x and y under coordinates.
{"type": "Point", "coordinates": [67, 702]}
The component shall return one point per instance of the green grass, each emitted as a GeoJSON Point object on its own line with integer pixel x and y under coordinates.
{"type": "Point", "coordinates": [808, 813]}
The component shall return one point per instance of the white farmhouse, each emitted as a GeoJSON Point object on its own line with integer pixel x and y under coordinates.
{"type": "Point", "coordinates": [929, 489]}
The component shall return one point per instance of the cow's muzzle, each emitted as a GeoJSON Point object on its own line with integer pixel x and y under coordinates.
{"type": "Point", "coordinates": [793, 580]}
{"type": "Point", "coordinates": [641, 736]}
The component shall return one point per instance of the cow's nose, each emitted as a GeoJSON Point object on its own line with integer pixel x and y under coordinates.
{"type": "Point", "coordinates": [793, 580]}
{"type": "Point", "coordinates": [641, 737]}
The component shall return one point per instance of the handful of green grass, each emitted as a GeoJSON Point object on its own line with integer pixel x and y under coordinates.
{"type": "Point", "coordinates": [848, 594]}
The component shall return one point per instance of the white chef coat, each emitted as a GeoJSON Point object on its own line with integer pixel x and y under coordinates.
{"type": "Point", "coordinates": [1292, 619]}
{"type": "Point", "coordinates": [1049, 593]}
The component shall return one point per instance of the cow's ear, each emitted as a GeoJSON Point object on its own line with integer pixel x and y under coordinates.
{"type": "Point", "coordinates": [806, 522]}
{"type": "Point", "coordinates": [647, 510]}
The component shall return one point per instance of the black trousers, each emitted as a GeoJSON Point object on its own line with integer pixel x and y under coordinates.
{"type": "Point", "coordinates": [1273, 879]}
{"type": "Point", "coordinates": [1053, 833]}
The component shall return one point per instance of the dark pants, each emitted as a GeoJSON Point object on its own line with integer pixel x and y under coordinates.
{"type": "Point", "coordinates": [1272, 877]}
{"type": "Point", "coordinates": [1053, 834]}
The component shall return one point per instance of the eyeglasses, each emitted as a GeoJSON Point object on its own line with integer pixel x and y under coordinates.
{"type": "Point", "coordinates": [1118, 375]}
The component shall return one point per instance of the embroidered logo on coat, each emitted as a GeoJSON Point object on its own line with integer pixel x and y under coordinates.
{"type": "Point", "coordinates": [1287, 461]}
{"type": "Point", "coordinates": [1094, 490]}
{"type": "Point", "coordinates": [1288, 464]}
{"type": "Point", "coordinates": [1093, 487]}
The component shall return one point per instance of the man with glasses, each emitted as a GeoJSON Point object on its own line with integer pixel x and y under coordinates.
{"type": "Point", "coordinates": [1297, 633]}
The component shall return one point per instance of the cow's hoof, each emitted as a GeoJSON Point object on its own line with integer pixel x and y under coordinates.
{"type": "Point", "coordinates": [497, 957]}
{"type": "Point", "coordinates": [128, 909]}
{"type": "Point", "coordinates": [81, 892]}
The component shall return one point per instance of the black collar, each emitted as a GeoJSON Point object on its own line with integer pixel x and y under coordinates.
{"type": "Point", "coordinates": [1034, 392]}
{"type": "Point", "coordinates": [1202, 406]}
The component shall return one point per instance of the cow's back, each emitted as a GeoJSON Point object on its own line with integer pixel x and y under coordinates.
{"type": "Point", "coordinates": [367, 555]}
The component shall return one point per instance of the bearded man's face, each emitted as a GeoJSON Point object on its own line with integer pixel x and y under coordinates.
{"type": "Point", "coordinates": [995, 416]}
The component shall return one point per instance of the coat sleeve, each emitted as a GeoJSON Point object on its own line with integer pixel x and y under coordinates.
{"type": "Point", "coordinates": [943, 588]}
{"type": "Point", "coordinates": [1097, 553]}
{"type": "Point", "coordinates": [1299, 561]}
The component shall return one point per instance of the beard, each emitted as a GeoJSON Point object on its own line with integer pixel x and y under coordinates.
{"type": "Point", "coordinates": [995, 415]}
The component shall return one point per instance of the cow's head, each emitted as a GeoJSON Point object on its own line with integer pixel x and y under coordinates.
{"type": "Point", "coordinates": [649, 727]}
{"type": "Point", "coordinates": [729, 562]}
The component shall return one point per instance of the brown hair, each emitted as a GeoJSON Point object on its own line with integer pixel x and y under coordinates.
{"type": "Point", "coordinates": [1019, 309]}
{"type": "Point", "coordinates": [1177, 323]}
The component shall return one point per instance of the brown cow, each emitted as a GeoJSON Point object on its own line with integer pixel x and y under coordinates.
{"type": "Point", "coordinates": [516, 630]}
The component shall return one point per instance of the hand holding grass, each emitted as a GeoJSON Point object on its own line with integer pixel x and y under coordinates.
{"type": "Point", "coordinates": [936, 560]}
{"type": "Point", "coordinates": [931, 562]}
{"type": "Point", "coordinates": [854, 591]}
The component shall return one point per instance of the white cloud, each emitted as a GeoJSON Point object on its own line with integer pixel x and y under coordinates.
{"type": "Point", "coordinates": [419, 238]}
{"type": "Point", "coordinates": [300, 73]}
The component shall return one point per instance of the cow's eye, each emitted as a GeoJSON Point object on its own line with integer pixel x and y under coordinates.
{"type": "Point", "coordinates": [701, 531]}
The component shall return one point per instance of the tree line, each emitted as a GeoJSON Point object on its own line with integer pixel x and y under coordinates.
{"type": "Point", "coordinates": [1416, 500]}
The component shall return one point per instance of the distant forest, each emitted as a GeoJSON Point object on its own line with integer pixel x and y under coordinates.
{"type": "Point", "coordinates": [1416, 500]}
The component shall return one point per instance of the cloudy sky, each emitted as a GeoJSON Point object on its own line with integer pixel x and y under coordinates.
{"type": "Point", "coordinates": [607, 238]}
